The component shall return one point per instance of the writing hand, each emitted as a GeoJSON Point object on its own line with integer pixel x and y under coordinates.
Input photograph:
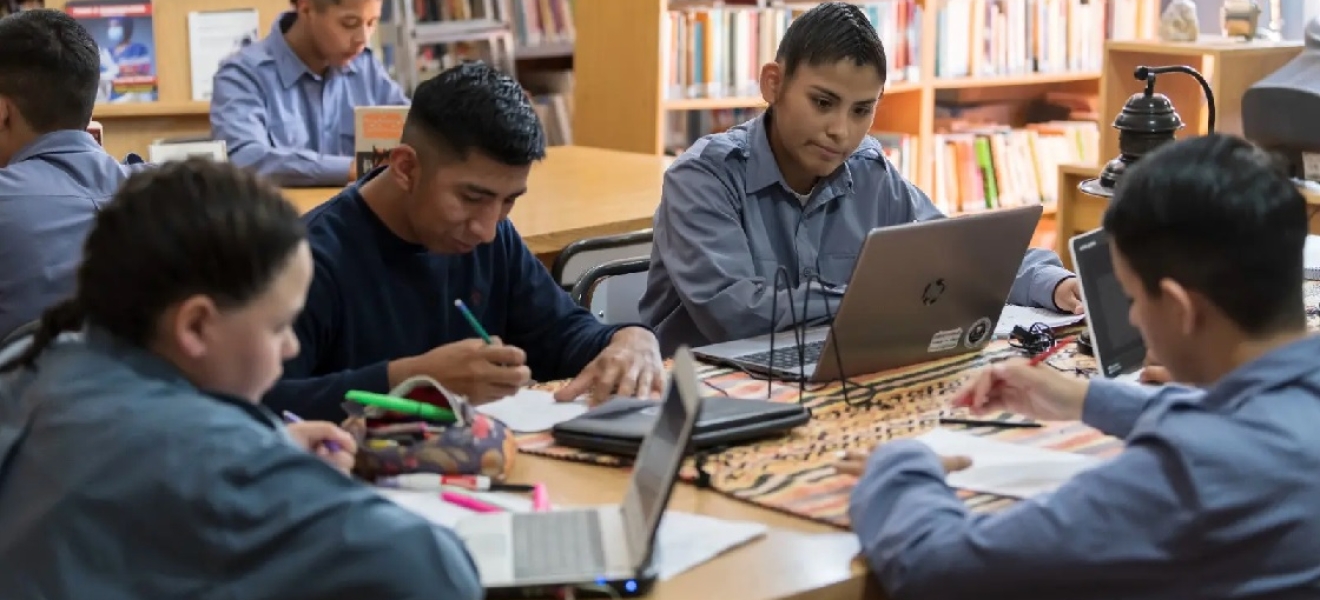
{"type": "Point", "coordinates": [317, 437]}
{"type": "Point", "coordinates": [1068, 296]}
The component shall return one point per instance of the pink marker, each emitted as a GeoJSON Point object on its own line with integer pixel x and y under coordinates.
{"type": "Point", "coordinates": [540, 498]}
{"type": "Point", "coordinates": [467, 502]}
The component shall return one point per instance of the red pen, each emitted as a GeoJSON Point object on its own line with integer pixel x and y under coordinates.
{"type": "Point", "coordinates": [965, 400]}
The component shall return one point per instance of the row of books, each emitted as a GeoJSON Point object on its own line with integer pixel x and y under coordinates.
{"type": "Point", "coordinates": [718, 51]}
{"type": "Point", "coordinates": [996, 167]}
{"type": "Point", "coordinates": [542, 22]}
{"type": "Point", "coordinates": [1014, 37]}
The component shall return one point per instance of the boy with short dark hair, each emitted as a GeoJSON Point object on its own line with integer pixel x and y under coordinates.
{"type": "Point", "coordinates": [1215, 493]}
{"type": "Point", "coordinates": [53, 175]}
{"type": "Point", "coordinates": [798, 187]}
{"type": "Point", "coordinates": [284, 105]}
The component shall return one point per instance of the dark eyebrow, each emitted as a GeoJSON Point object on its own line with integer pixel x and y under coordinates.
{"type": "Point", "coordinates": [824, 92]}
{"type": "Point", "coordinates": [478, 190]}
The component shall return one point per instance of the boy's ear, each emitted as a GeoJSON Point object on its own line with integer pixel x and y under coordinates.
{"type": "Point", "coordinates": [772, 80]}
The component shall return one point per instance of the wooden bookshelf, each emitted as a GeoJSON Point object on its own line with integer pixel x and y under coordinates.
{"type": "Point", "coordinates": [131, 127]}
{"type": "Point", "coordinates": [621, 80]}
{"type": "Point", "coordinates": [1230, 66]}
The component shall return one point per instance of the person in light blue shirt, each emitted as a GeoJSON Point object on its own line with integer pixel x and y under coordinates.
{"type": "Point", "coordinates": [53, 174]}
{"type": "Point", "coordinates": [284, 105]}
{"type": "Point", "coordinates": [799, 187]}
{"type": "Point", "coordinates": [1216, 494]}
{"type": "Point", "coordinates": [135, 459]}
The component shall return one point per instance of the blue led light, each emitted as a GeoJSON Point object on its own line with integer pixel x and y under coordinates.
{"type": "Point", "coordinates": [631, 586]}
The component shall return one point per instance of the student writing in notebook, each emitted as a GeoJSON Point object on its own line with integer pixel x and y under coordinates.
{"type": "Point", "coordinates": [1214, 495]}
{"type": "Point", "coordinates": [53, 174]}
{"type": "Point", "coordinates": [798, 187]}
{"type": "Point", "coordinates": [394, 251]}
{"type": "Point", "coordinates": [135, 461]}
{"type": "Point", "coordinates": [284, 105]}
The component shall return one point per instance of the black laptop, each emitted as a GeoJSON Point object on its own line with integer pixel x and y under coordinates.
{"type": "Point", "coordinates": [618, 425]}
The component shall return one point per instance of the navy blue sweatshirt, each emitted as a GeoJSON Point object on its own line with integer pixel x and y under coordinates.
{"type": "Point", "coordinates": [376, 298]}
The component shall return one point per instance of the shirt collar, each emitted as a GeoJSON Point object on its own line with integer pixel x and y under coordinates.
{"type": "Point", "coordinates": [288, 67]}
{"type": "Point", "coordinates": [57, 142]}
{"type": "Point", "coordinates": [1274, 369]}
{"type": "Point", "coordinates": [149, 365]}
{"type": "Point", "coordinates": [763, 171]}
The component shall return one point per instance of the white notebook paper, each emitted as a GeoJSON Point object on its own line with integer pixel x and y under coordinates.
{"type": "Point", "coordinates": [1311, 258]}
{"type": "Point", "coordinates": [1006, 469]}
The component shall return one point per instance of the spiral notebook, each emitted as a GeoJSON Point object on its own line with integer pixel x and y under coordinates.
{"type": "Point", "coordinates": [1311, 258]}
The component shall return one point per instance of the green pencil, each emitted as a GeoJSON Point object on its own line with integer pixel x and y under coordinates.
{"type": "Point", "coordinates": [402, 405]}
{"type": "Point", "coordinates": [472, 320]}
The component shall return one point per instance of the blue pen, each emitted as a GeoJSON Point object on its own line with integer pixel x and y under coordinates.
{"type": "Point", "coordinates": [292, 418]}
{"type": "Point", "coordinates": [472, 320]}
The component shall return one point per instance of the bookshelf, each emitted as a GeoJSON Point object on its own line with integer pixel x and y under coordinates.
{"type": "Point", "coordinates": [625, 97]}
{"type": "Point", "coordinates": [131, 127]}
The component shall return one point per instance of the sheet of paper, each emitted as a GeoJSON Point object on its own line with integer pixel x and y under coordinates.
{"type": "Point", "coordinates": [530, 411]}
{"type": "Point", "coordinates": [684, 541]}
{"type": "Point", "coordinates": [1004, 468]}
{"type": "Point", "coordinates": [1027, 316]}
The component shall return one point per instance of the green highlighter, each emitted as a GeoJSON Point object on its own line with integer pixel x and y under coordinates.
{"type": "Point", "coordinates": [401, 405]}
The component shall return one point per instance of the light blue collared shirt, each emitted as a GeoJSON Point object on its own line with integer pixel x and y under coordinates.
{"type": "Point", "coordinates": [287, 123]}
{"type": "Point", "coordinates": [119, 480]}
{"type": "Point", "coordinates": [49, 196]}
{"type": "Point", "coordinates": [727, 221]}
{"type": "Point", "coordinates": [1215, 496]}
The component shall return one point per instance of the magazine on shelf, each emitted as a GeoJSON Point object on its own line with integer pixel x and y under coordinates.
{"type": "Point", "coordinates": [123, 31]}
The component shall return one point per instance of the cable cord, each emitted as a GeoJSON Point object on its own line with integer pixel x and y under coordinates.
{"type": "Point", "coordinates": [832, 336]}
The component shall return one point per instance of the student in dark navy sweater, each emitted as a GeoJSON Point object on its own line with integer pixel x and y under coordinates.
{"type": "Point", "coordinates": [395, 250]}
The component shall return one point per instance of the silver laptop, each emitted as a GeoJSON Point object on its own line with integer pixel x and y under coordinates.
{"type": "Point", "coordinates": [1117, 346]}
{"type": "Point", "coordinates": [529, 553]}
{"type": "Point", "coordinates": [919, 291]}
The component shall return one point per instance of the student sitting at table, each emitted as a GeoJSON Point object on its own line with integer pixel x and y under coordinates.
{"type": "Point", "coordinates": [284, 105]}
{"type": "Point", "coordinates": [800, 187]}
{"type": "Point", "coordinates": [53, 174]}
{"type": "Point", "coordinates": [396, 251]}
{"type": "Point", "coordinates": [135, 461]}
{"type": "Point", "coordinates": [1215, 494]}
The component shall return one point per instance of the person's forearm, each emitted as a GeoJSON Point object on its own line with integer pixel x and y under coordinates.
{"type": "Point", "coordinates": [293, 167]}
{"type": "Point", "coordinates": [321, 398]}
{"type": "Point", "coordinates": [1037, 278]}
{"type": "Point", "coordinates": [1113, 407]}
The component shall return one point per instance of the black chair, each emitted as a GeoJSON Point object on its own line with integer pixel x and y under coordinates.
{"type": "Point", "coordinates": [611, 290]}
{"type": "Point", "coordinates": [578, 257]}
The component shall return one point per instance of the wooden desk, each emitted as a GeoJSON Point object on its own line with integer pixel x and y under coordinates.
{"type": "Point", "coordinates": [1079, 213]}
{"type": "Point", "coordinates": [796, 559]}
{"type": "Point", "coordinates": [575, 193]}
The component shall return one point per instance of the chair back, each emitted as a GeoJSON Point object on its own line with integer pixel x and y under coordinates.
{"type": "Point", "coordinates": [580, 256]}
{"type": "Point", "coordinates": [612, 290]}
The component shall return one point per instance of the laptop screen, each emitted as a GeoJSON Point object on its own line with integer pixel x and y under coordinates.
{"type": "Point", "coordinates": [658, 459]}
{"type": "Point", "coordinates": [1117, 345]}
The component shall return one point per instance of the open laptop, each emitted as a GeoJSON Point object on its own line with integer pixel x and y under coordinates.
{"type": "Point", "coordinates": [1117, 346]}
{"type": "Point", "coordinates": [535, 554]}
{"type": "Point", "coordinates": [919, 291]}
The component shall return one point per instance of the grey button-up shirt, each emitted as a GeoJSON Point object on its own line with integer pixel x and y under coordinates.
{"type": "Point", "coordinates": [1216, 496]}
{"type": "Point", "coordinates": [121, 481]}
{"type": "Point", "coordinates": [288, 123]}
{"type": "Point", "coordinates": [49, 196]}
{"type": "Point", "coordinates": [727, 221]}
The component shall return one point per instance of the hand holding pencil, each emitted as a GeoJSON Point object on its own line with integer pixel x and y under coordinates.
{"type": "Point", "coordinates": [1027, 388]}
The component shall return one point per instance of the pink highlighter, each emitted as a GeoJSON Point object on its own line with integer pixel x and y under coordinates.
{"type": "Point", "coordinates": [540, 498]}
{"type": "Point", "coordinates": [467, 502]}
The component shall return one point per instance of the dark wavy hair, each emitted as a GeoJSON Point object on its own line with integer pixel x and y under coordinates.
{"type": "Point", "coordinates": [171, 232]}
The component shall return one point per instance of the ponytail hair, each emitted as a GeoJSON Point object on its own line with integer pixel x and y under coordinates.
{"type": "Point", "coordinates": [171, 232]}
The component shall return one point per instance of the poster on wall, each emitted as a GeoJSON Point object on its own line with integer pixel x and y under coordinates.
{"type": "Point", "coordinates": [123, 31]}
{"type": "Point", "coordinates": [214, 36]}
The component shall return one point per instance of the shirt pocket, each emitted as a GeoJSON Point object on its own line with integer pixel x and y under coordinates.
{"type": "Point", "coordinates": [836, 268]}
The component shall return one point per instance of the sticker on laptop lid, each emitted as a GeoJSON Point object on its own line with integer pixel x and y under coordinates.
{"type": "Point", "coordinates": [978, 333]}
{"type": "Point", "coordinates": [945, 340]}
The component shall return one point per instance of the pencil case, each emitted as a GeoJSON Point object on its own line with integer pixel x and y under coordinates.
{"type": "Point", "coordinates": [391, 444]}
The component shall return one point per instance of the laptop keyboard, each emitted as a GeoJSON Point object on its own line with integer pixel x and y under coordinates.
{"type": "Point", "coordinates": [557, 544]}
{"type": "Point", "coordinates": [787, 358]}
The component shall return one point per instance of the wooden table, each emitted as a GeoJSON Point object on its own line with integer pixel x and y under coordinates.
{"type": "Point", "coordinates": [796, 559]}
{"type": "Point", "coordinates": [575, 193]}
{"type": "Point", "coordinates": [1079, 213]}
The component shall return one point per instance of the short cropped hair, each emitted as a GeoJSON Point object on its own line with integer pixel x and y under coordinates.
{"type": "Point", "coordinates": [475, 107]}
{"type": "Point", "coordinates": [50, 68]}
{"type": "Point", "coordinates": [1217, 215]}
{"type": "Point", "coordinates": [829, 33]}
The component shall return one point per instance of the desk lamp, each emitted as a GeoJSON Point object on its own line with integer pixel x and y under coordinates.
{"type": "Point", "coordinates": [1147, 122]}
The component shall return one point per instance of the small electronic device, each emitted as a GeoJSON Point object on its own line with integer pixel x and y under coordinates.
{"type": "Point", "coordinates": [1117, 346]}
